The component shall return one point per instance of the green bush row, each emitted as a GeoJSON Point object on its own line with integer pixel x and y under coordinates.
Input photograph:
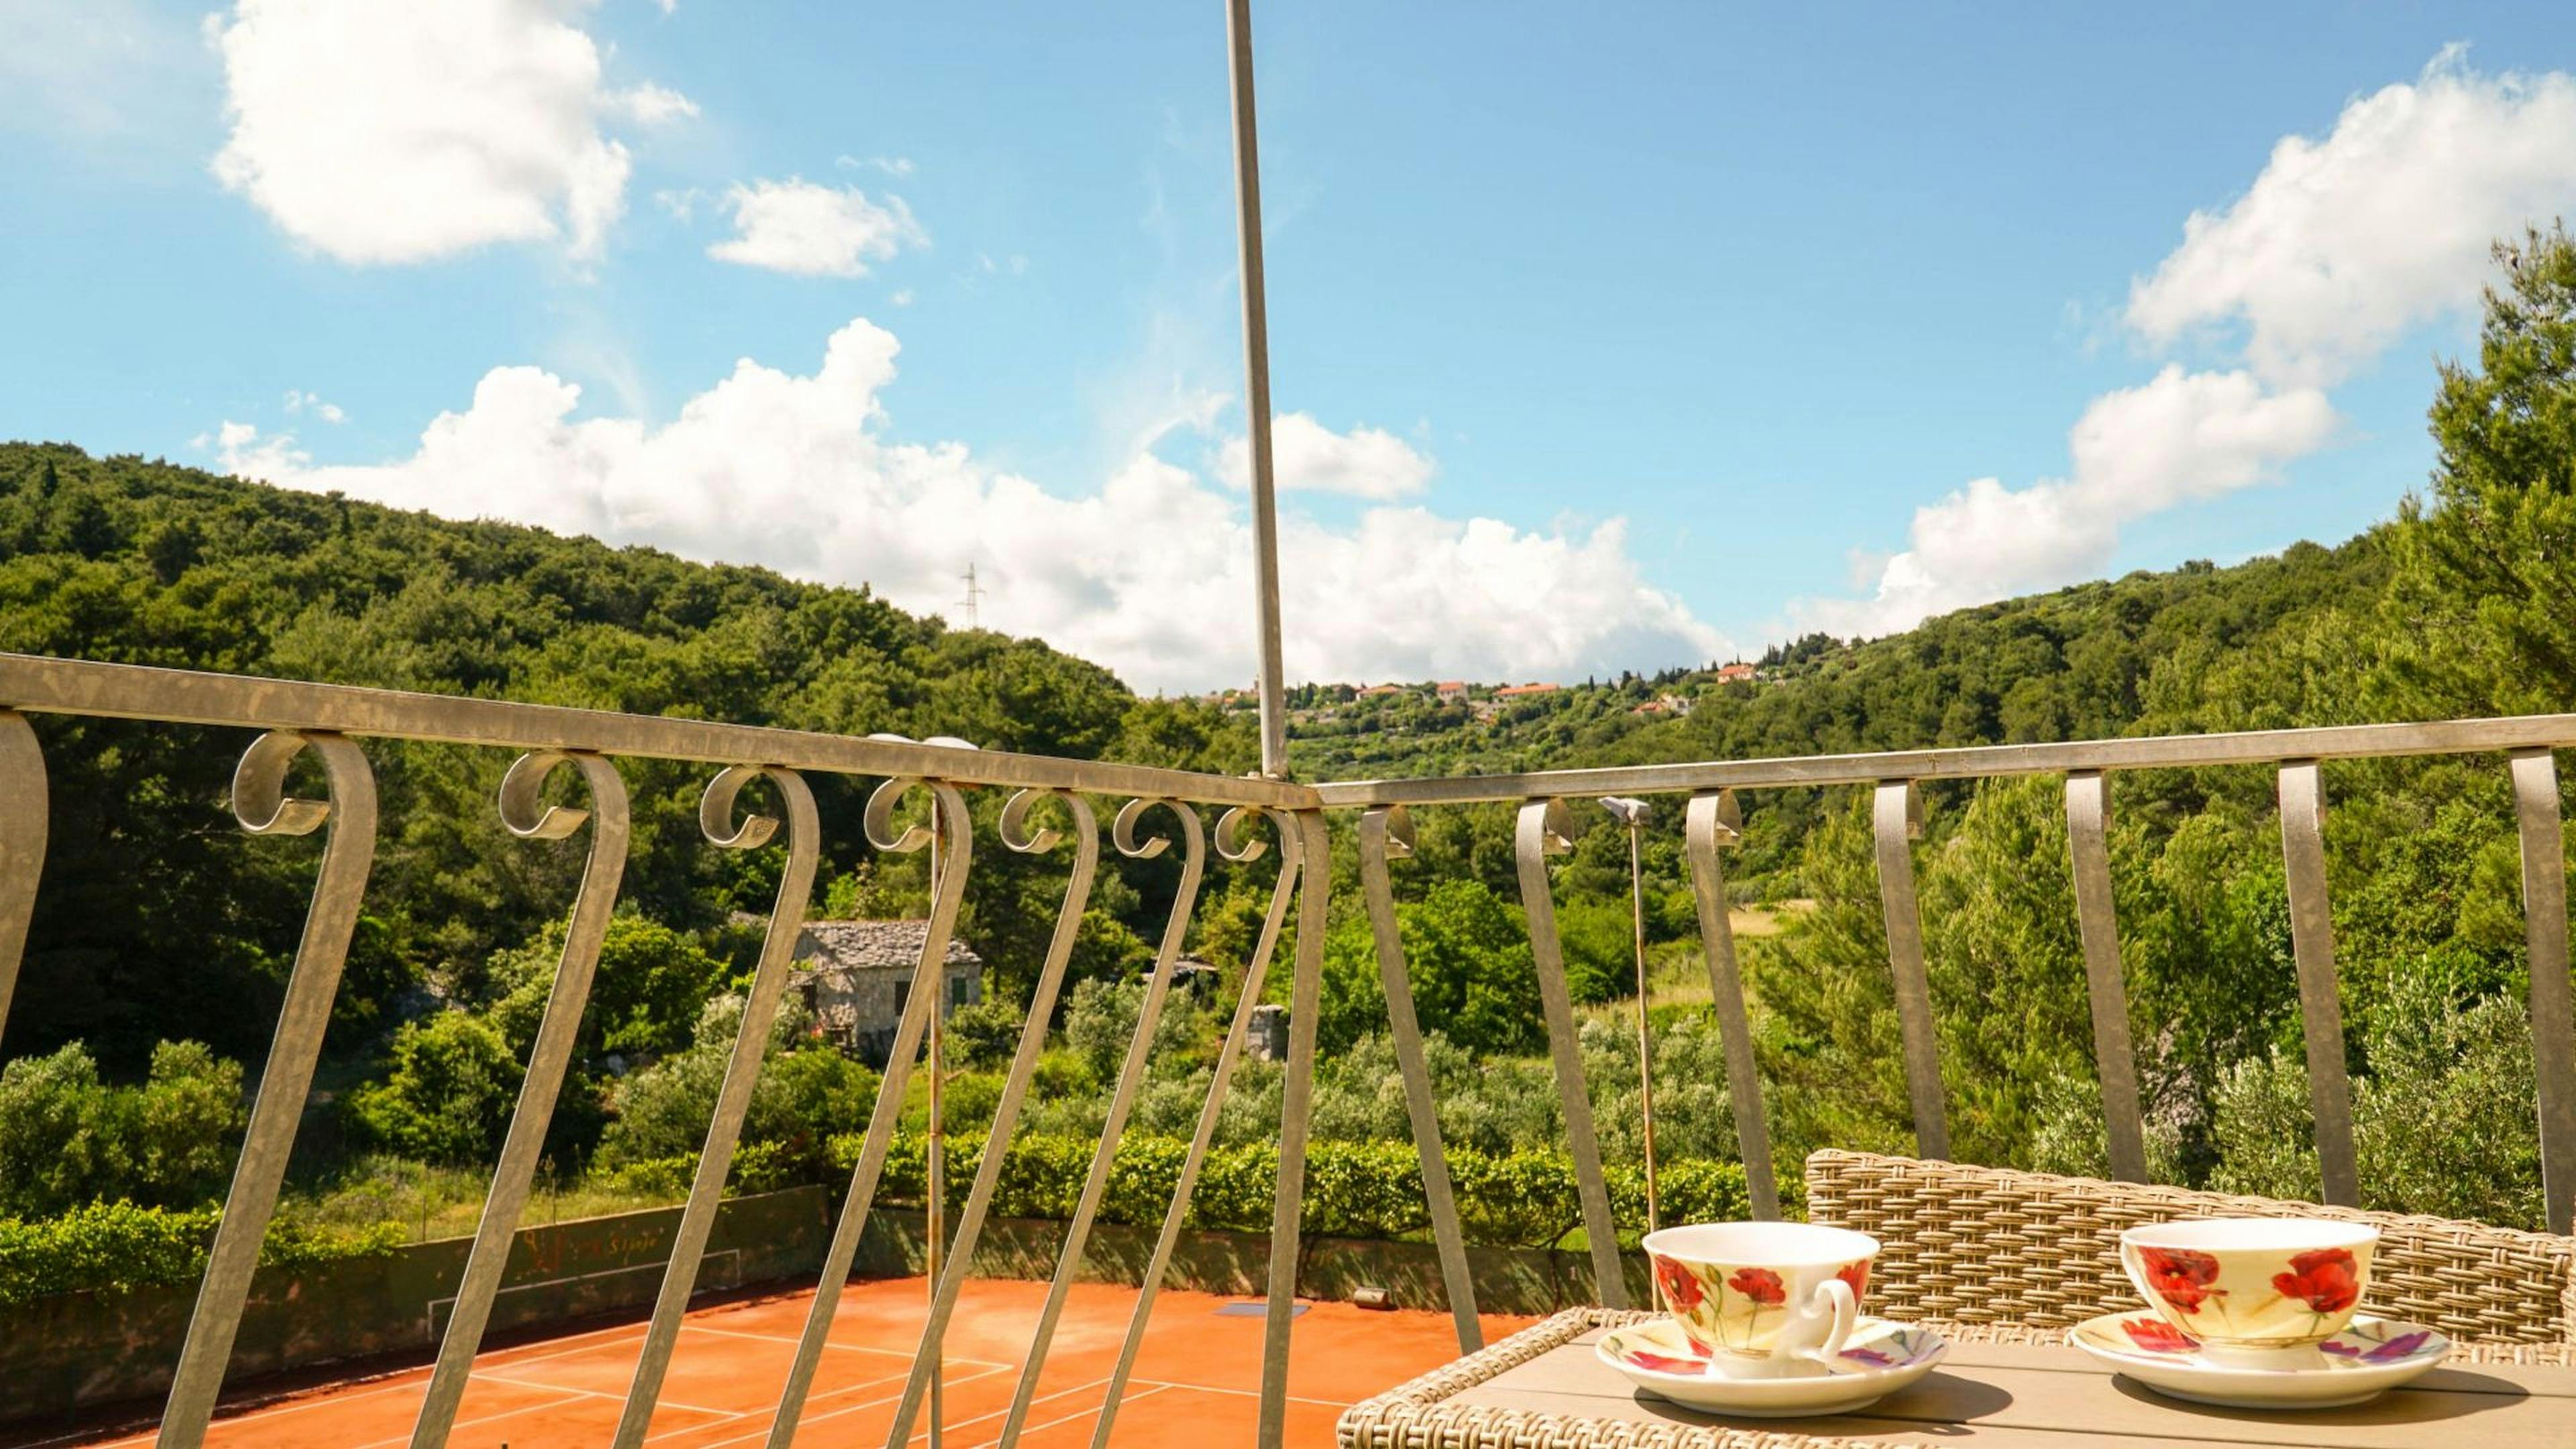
{"type": "Point", "coordinates": [1353, 1189]}
{"type": "Point", "coordinates": [119, 1245]}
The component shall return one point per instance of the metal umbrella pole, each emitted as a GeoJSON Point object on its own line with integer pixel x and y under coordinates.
{"type": "Point", "coordinates": [1256, 393]}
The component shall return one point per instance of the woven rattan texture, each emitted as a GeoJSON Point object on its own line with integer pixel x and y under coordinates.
{"type": "Point", "coordinates": [1417, 1416]}
{"type": "Point", "coordinates": [1984, 1245]}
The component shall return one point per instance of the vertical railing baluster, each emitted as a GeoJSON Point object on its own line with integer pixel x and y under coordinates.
{"type": "Point", "coordinates": [742, 1069]}
{"type": "Point", "coordinates": [2553, 1018]}
{"type": "Point", "coordinates": [1387, 832]}
{"type": "Point", "coordinates": [1540, 833]}
{"type": "Point", "coordinates": [1018, 836]}
{"type": "Point", "coordinates": [1296, 1107]}
{"type": "Point", "coordinates": [1714, 822]}
{"type": "Point", "coordinates": [1231, 844]}
{"type": "Point", "coordinates": [947, 890]}
{"type": "Point", "coordinates": [1122, 1098]}
{"type": "Point", "coordinates": [23, 805]}
{"type": "Point", "coordinates": [527, 815]}
{"type": "Point", "coordinates": [2303, 857]}
{"type": "Point", "coordinates": [263, 807]}
{"type": "Point", "coordinates": [2106, 989]}
{"type": "Point", "coordinates": [1897, 820]}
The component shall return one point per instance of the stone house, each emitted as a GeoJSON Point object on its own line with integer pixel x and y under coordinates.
{"type": "Point", "coordinates": [856, 979]}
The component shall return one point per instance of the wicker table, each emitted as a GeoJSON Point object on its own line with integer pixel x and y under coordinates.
{"type": "Point", "coordinates": [1543, 1389]}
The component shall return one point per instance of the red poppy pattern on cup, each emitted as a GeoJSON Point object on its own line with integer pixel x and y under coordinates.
{"type": "Point", "coordinates": [2326, 1280]}
{"type": "Point", "coordinates": [2181, 1277]}
{"type": "Point", "coordinates": [1682, 1292]}
{"type": "Point", "coordinates": [1759, 1284]}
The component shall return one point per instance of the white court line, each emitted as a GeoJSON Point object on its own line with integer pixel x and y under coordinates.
{"type": "Point", "coordinates": [1247, 1393]}
{"type": "Point", "coordinates": [400, 1439]}
{"type": "Point", "coordinates": [619, 1398]}
{"type": "Point", "coordinates": [323, 1396]}
{"type": "Point", "coordinates": [902, 1353]}
{"type": "Point", "coordinates": [1074, 1418]}
{"type": "Point", "coordinates": [811, 1419]}
{"type": "Point", "coordinates": [949, 1425]}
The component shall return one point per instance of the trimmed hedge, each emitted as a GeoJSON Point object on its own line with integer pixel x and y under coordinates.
{"type": "Point", "coordinates": [118, 1245]}
{"type": "Point", "coordinates": [1353, 1189]}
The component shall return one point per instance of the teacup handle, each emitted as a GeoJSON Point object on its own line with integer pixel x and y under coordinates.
{"type": "Point", "coordinates": [1846, 1313]}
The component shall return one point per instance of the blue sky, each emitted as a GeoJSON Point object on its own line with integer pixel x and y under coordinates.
{"type": "Point", "coordinates": [1615, 339]}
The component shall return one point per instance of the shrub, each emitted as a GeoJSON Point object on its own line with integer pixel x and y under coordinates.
{"type": "Point", "coordinates": [108, 1246]}
{"type": "Point", "coordinates": [449, 1094]}
{"type": "Point", "coordinates": [804, 1090]}
{"type": "Point", "coordinates": [984, 1034]}
{"type": "Point", "coordinates": [68, 1139]}
{"type": "Point", "coordinates": [1353, 1189]}
{"type": "Point", "coordinates": [2441, 1121]}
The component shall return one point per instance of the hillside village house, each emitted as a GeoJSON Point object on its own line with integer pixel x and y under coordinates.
{"type": "Point", "coordinates": [856, 978]}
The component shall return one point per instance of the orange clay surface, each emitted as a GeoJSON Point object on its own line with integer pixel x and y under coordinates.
{"type": "Point", "coordinates": [1195, 1383]}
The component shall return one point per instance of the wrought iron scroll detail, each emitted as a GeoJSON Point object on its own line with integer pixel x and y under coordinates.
{"type": "Point", "coordinates": [1386, 833]}
{"type": "Point", "coordinates": [724, 827]}
{"type": "Point", "coordinates": [1713, 822]}
{"type": "Point", "coordinates": [1543, 830]}
{"type": "Point", "coordinates": [263, 807]}
{"type": "Point", "coordinates": [1235, 847]}
{"type": "Point", "coordinates": [956, 836]}
{"type": "Point", "coordinates": [1020, 835]}
{"type": "Point", "coordinates": [526, 814]}
{"type": "Point", "coordinates": [1131, 1074]}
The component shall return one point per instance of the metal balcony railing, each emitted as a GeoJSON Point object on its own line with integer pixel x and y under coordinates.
{"type": "Point", "coordinates": [1051, 809]}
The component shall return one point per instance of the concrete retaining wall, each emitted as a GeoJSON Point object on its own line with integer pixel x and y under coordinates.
{"type": "Point", "coordinates": [80, 1349]}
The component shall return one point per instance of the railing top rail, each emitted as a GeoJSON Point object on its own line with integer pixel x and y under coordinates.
{"type": "Point", "coordinates": [2250, 747]}
{"type": "Point", "coordinates": [39, 685]}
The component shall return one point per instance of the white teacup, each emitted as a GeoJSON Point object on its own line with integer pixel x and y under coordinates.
{"type": "Point", "coordinates": [2254, 1291]}
{"type": "Point", "coordinates": [1764, 1300]}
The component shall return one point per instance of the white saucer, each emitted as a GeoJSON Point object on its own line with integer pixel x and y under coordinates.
{"type": "Point", "coordinates": [2370, 1356]}
{"type": "Point", "coordinates": [1879, 1358]}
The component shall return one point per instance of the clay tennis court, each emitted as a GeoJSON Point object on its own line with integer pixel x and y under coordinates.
{"type": "Point", "coordinates": [1194, 1386]}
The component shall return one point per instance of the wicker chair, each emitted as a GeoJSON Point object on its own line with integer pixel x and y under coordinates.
{"type": "Point", "coordinates": [1988, 1246]}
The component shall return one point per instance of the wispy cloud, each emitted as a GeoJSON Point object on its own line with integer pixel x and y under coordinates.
{"type": "Point", "coordinates": [2339, 247]}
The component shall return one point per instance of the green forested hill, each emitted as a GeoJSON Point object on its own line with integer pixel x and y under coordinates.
{"type": "Point", "coordinates": [155, 919]}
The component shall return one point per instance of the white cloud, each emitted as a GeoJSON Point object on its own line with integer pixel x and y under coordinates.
{"type": "Point", "coordinates": [653, 105]}
{"type": "Point", "coordinates": [238, 448]}
{"type": "Point", "coordinates": [2179, 437]}
{"type": "Point", "coordinates": [298, 402]}
{"type": "Point", "coordinates": [2343, 244]}
{"type": "Point", "coordinates": [1307, 456]}
{"type": "Point", "coordinates": [2338, 249]}
{"type": "Point", "coordinates": [1151, 576]}
{"type": "Point", "coordinates": [806, 230]}
{"type": "Point", "coordinates": [377, 131]}
{"type": "Point", "coordinates": [890, 165]}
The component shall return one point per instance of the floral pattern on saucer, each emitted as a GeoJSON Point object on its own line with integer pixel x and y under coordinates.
{"type": "Point", "coordinates": [2365, 1343]}
{"type": "Point", "coordinates": [2370, 1356]}
{"type": "Point", "coordinates": [1875, 1345]}
{"type": "Point", "coordinates": [1880, 1358]}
